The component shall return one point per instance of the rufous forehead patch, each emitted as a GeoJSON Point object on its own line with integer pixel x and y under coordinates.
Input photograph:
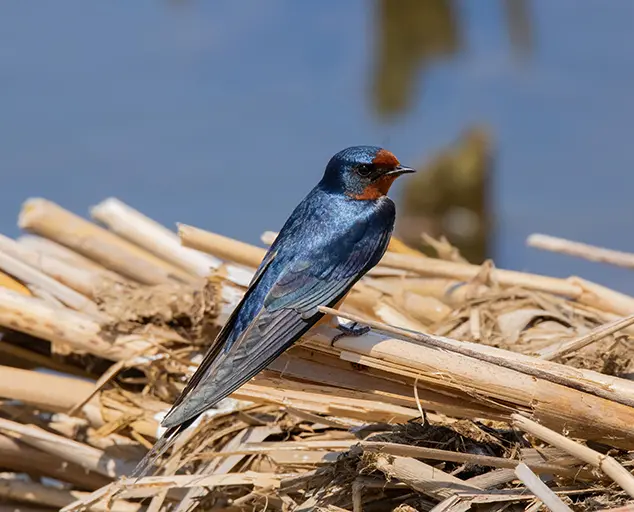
{"type": "Point", "coordinates": [384, 158]}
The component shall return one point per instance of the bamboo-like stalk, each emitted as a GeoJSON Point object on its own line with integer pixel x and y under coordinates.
{"type": "Point", "coordinates": [423, 309]}
{"type": "Point", "coordinates": [620, 390]}
{"type": "Point", "coordinates": [540, 489]}
{"type": "Point", "coordinates": [563, 348]}
{"type": "Point", "coordinates": [370, 384]}
{"type": "Point", "coordinates": [36, 359]}
{"type": "Point", "coordinates": [575, 288]}
{"type": "Point", "coordinates": [88, 457]}
{"type": "Point", "coordinates": [74, 275]}
{"type": "Point", "coordinates": [152, 236]}
{"type": "Point", "coordinates": [14, 507]}
{"type": "Point", "coordinates": [449, 291]}
{"type": "Point", "coordinates": [160, 241]}
{"type": "Point", "coordinates": [581, 250]}
{"type": "Point", "coordinates": [28, 267]}
{"type": "Point", "coordinates": [51, 221]}
{"type": "Point", "coordinates": [422, 452]}
{"type": "Point", "coordinates": [401, 450]}
{"type": "Point", "coordinates": [603, 298]}
{"type": "Point", "coordinates": [10, 283]}
{"type": "Point", "coordinates": [39, 494]}
{"type": "Point", "coordinates": [46, 296]}
{"type": "Point", "coordinates": [343, 406]}
{"type": "Point", "coordinates": [224, 464]}
{"type": "Point", "coordinates": [149, 486]}
{"type": "Point", "coordinates": [400, 247]}
{"type": "Point", "coordinates": [391, 315]}
{"type": "Point", "coordinates": [50, 392]}
{"type": "Point", "coordinates": [37, 318]}
{"type": "Point", "coordinates": [605, 463]}
{"type": "Point", "coordinates": [463, 272]}
{"type": "Point", "coordinates": [220, 246]}
{"type": "Point", "coordinates": [60, 252]}
{"type": "Point", "coordinates": [21, 457]}
{"type": "Point", "coordinates": [596, 417]}
{"type": "Point", "coordinates": [422, 477]}
{"type": "Point", "coordinates": [352, 400]}
{"type": "Point", "coordinates": [268, 237]}
{"type": "Point", "coordinates": [490, 480]}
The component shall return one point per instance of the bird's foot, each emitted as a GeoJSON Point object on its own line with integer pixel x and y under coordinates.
{"type": "Point", "coordinates": [352, 330]}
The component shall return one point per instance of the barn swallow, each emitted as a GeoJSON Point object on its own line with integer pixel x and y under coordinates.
{"type": "Point", "coordinates": [338, 232]}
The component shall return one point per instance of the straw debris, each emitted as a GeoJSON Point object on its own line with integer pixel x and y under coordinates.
{"type": "Point", "coordinates": [479, 388]}
{"type": "Point", "coordinates": [188, 310]}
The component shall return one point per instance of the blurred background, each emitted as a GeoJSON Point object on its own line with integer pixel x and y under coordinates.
{"type": "Point", "coordinates": [223, 114]}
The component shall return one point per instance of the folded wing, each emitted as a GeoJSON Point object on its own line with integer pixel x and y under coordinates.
{"type": "Point", "coordinates": [289, 310]}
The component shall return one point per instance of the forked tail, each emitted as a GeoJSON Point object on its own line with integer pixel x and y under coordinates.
{"type": "Point", "coordinates": [159, 448]}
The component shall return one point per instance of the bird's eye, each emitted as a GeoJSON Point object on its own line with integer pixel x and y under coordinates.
{"type": "Point", "coordinates": [364, 170]}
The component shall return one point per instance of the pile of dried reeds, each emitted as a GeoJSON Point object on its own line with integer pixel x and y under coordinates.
{"type": "Point", "coordinates": [517, 396]}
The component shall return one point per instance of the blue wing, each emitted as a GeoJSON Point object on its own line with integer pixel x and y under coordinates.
{"type": "Point", "coordinates": [321, 278]}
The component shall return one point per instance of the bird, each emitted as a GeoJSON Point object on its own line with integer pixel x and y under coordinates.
{"type": "Point", "coordinates": [335, 235]}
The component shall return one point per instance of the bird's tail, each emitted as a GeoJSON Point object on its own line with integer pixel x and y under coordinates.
{"type": "Point", "coordinates": [162, 444]}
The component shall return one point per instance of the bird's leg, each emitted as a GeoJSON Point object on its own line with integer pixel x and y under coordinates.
{"type": "Point", "coordinates": [333, 321]}
{"type": "Point", "coordinates": [352, 330]}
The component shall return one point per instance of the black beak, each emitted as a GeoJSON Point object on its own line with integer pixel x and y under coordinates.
{"type": "Point", "coordinates": [397, 171]}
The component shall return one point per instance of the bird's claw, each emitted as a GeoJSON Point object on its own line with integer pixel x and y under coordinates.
{"type": "Point", "coordinates": [353, 330]}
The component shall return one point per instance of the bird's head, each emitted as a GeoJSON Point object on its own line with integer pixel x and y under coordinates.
{"type": "Point", "coordinates": [363, 172]}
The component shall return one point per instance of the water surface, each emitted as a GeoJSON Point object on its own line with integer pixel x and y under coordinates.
{"type": "Point", "coordinates": [223, 114]}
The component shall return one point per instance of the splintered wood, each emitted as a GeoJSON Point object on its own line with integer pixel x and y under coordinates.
{"type": "Point", "coordinates": [477, 386]}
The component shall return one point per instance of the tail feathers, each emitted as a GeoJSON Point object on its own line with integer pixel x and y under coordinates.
{"type": "Point", "coordinates": [159, 448]}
